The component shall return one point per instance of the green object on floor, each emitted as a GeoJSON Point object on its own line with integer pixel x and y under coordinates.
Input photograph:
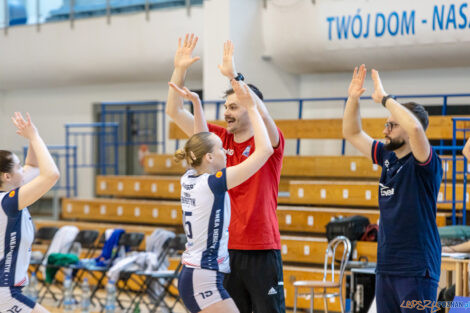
{"type": "Point", "coordinates": [136, 308]}
{"type": "Point", "coordinates": [57, 260]}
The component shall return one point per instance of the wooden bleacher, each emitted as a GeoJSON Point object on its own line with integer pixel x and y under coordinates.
{"type": "Point", "coordinates": [314, 220]}
{"type": "Point", "coordinates": [152, 212]}
{"type": "Point", "coordinates": [440, 127]}
{"type": "Point", "coordinates": [293, 166]}
{"type": "Point", "coordinates": [156, 212]}
{"type": "Point", "coordinates": [301, 192]}
{"type": "Point", "coordinates": [348, 193]}
{"type": "Point", "coordinates": [157, 187]}
{"type": "Point", "coordinates": [147, 186]}
{"type": "Point", "coordinates": [344, 167]}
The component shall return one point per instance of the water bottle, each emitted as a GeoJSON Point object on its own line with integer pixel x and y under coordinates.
{"type": "Point", "coordinates": [85, 300]}
{"type": "Point", "coordinates": [33, 287]}
{"type": "Point", "coordinates": [110, 297]}
{"type": "Point", "coordinates": [68, 296]}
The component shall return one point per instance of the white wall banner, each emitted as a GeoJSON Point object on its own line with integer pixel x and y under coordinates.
{"type": "Point", "coordinates": [336, 34]}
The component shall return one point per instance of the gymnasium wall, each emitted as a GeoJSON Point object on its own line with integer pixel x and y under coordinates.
{"type": "Point", "coordinates": [58, 73]}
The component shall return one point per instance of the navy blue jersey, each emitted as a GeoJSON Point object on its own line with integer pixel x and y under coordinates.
{"type": "Point", "coordinates": [408, 240]}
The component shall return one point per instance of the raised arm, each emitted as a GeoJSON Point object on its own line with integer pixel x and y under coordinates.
{"type": "Point", "coordinates": [239, 173]}
{"type": "Point", "coordinates": [419, 143]}
{"type": "Point", "coordinates": [352, 129]}
{"type": "Point", "coordinates": [466, 149]}
{"type": "Point", "coordinates": [31, 166]}
{"type": "Point", "coordinates": [48, 172]}
{"type": "Point", "coordinates": [182, 61]}
{"type": "Point", "coordinates": [228, 70]}
{"type": "Point", "coordinates": [200, 124]}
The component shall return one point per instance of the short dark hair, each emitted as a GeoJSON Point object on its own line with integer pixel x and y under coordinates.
{"type": "Point", "coordinates": [6, 162]}
{"type": "Point", "coordinates": [419, 111]}
{"type": "Point", "coordinates": [255, 89]}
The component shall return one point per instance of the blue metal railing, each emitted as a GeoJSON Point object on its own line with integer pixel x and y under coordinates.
{"type": "Point", "coordinates": [102, 136]}
{"type": "Point", "coordinates": [454, 148]}
{"type": "Point", "coordinates": [455, 131]}
{"type": "Point", "coordinates": [65, 158]}
{"type": "Point", "coordinates": [141, 122]}
{"type": "Point", "coordinates": [37, 12]}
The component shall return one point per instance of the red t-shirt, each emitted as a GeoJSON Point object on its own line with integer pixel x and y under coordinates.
{"type": "Point", "coordinates": [253, 223]}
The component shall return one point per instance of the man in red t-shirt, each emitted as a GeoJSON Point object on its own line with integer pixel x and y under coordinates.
{"type": "Point", "coordinates": [256, 279]}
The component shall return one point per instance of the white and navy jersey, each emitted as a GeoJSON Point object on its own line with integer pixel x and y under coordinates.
{"type": "Point", "coordinates": [16, 238]}
{"type": "Point", "coordinates": [206, 217]}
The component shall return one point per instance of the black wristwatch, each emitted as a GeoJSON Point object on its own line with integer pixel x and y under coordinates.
{"type": "Point", "coordinates": [384, 99]}
{"type": "Point", "coordinates": [239, 77]}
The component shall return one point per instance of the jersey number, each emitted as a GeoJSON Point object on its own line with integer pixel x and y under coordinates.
{"type": "Point", "coordinates": [189, 230]}
{"type": "Point", "coordinates": [206, 294]}
{"type": "Point", "coordinates": [14, 309]}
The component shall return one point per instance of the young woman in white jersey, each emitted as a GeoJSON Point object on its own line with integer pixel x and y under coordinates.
{"type": "Point", "coordinates": [206, 203]}
{"type": "Point", "coordinates": [19, 188]}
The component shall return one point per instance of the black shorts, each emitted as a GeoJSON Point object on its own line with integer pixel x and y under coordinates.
{"type": "Point", "coordinates": [256, 281]}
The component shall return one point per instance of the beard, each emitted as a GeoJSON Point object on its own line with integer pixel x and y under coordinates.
{"type": "Point", "coordinates": [394, 144]}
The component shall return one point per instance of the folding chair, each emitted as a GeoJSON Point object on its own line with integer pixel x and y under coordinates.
{"type": "Point", "coordinates": [127, 275]}
{"type": "Point", "coordinates": [43, 236]}
{"type": "Point", "coordinates": [129, 241]}
{"type": "Point", "coordinates": [164, 278]}
{"type": "Point", "coordinates": [86, 239]}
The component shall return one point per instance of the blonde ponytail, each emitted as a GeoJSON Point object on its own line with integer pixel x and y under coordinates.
{"type": "Point", "coordinates": [195, 149]}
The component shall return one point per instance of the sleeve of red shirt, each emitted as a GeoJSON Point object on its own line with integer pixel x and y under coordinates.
{"type": "Point", "coordinates": [218, 130]}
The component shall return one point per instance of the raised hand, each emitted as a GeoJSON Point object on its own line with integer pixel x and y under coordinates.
{"type": "Point", "coordinates": [466, 149]}
{"type": "Point", "coordinates": [24, 127]}
{"type": "Point", "coordinates": [379, 91]}
{"type": "Point", "coordinates": [183, 56]}
{"type": "Point", "coordinates": [356, 88]}
{"type": "Point", "coordinates": [186, 93]}
{"type": "Point", "coordinates": [242, 91]}
{"type": "Point", "coordinates": [228, 65]}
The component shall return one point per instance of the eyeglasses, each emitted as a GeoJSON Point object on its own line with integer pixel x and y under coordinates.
{"type": "Point", "coordinates": [390, 125]}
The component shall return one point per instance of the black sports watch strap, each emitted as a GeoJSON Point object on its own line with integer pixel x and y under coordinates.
{"type": "Point", "coordinates": [239, 77]}
{"type": "Point", "coordinates": [384, 99]}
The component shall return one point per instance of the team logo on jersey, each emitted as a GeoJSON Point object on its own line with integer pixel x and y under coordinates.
{"type": "Point", "coordinates": [229, 151]}
{"type": "Point", "coordinates": [247, 151]}
{"type": "Point", "coordinates": [386, 191]}
{"type": "Point", "coordinates": [188, 186]}
{"type": "Point", "coordinates": [11, 194]}
{"type": "Point", "coordinates": [218, 174]}
{"type": "Point", "coordinates": [386, 163]}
